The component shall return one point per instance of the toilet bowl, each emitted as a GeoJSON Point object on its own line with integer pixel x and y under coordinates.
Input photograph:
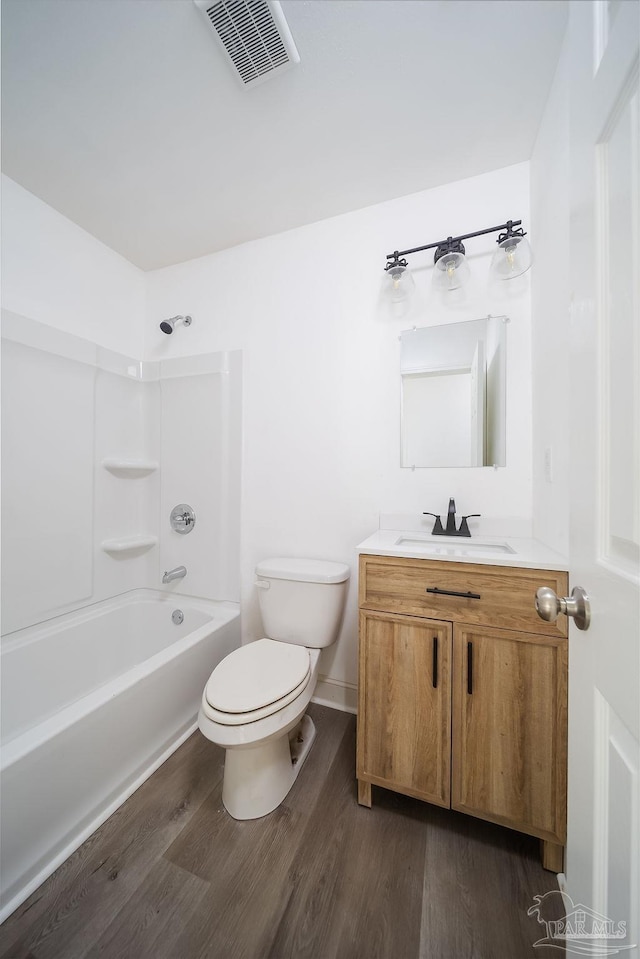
{"type": "Point", "coordinates": [254, 702]}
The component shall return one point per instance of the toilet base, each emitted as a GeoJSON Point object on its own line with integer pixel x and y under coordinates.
{"type": "Point", "coordinates": [256, 780]}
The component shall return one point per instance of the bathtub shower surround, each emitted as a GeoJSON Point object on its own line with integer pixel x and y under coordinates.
{"type": "Point", "coordinates": [97, 449]}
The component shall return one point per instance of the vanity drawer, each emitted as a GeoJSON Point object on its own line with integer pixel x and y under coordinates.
{"type": "Point", "coordinates": [502, 596]}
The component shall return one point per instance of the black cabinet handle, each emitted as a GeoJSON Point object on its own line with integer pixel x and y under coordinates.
{"type": "Point", "coordinates": [435, 662]}
{"type": "Point", "coordinates": [452, 592]}
{"type": "Point", "coordinates": [470, 668]}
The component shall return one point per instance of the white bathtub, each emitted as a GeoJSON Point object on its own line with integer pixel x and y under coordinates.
{"type": "Point", "coordinates": [92, 703]}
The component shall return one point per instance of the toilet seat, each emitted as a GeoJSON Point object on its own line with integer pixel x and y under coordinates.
{"type": "Point", "coordinates": [256, 681]}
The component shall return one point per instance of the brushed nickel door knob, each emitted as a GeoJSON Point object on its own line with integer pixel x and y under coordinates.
{"type": "Point", "coordinates": [577, 606]}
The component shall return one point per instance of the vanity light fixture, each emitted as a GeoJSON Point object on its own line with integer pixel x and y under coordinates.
{"type": "Point", "coordinates": [511, 259]}
{"type": "Point", "coordinates": [402, 283]}
{"type": "Point", "coordinates": [451, 267]}
{"type": "Point", "coordinates": [513, 256]}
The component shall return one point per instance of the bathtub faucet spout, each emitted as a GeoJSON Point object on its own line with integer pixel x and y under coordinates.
{"type": "Point", "coordinates": [178, 573]}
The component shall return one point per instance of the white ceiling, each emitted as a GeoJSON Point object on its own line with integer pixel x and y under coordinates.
{"type": "Point", "coordinates": [125, 116]}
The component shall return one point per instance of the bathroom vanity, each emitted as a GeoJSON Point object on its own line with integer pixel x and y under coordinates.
{"type": "Point", "coordinates": [462, 687]}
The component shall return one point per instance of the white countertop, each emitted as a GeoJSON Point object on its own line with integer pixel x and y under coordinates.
{"type": "Point", "coordinates": [488, 550]}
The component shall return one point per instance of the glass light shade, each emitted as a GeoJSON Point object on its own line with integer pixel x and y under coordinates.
{"type": "Point", "coordinates": [401, 284]}
{"type": "Point", "coordinates": [451, 271]}
{"type": "Point", "coordinates": [512, 258]}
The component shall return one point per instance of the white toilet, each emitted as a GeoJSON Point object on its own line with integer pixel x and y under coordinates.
{"type": "Point", "coordinates": [255, 699]}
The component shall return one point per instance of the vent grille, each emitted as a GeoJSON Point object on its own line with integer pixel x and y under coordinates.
{"type": "Point", "coordinates": [254, 34]}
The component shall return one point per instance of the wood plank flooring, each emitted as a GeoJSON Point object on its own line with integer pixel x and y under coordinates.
{"type": "Point", "coordinates": [171, 876]}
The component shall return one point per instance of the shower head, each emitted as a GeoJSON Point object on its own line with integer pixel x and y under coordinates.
{"type": "Point", "coordinates": [167, 326]}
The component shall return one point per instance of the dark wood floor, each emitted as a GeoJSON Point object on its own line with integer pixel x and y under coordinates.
{"type": "Point", "coordinates": [171, 876]}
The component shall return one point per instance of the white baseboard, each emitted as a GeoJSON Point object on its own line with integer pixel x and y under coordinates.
{"type": "Point", "coordinates": [336, 694]}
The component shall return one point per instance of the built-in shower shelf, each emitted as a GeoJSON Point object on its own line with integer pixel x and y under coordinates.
{"type": "Point", "coordinates": [129, 544]}
{"type": "Point", "coordinates": [129, 467]}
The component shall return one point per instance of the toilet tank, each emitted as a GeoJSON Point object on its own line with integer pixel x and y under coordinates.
{"type": "Point", "coordinates": [302, 600]}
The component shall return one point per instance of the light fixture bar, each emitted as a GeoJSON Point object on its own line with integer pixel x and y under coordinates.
{"type": "Point", "coordinates": [455, 239]}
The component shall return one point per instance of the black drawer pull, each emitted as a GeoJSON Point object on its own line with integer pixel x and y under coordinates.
{"type": "Point", "coordinates": [435, 662]}
{"type": "Point", "coordinates": [470, 668]}
{"type": "Point", "coordinates": [452, 592]}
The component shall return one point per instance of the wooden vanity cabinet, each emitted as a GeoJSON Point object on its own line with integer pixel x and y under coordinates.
{"type": "Point", "coordinates": [466, 709]}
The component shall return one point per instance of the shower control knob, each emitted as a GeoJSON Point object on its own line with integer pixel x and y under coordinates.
{"type": "Point", "coordinates": [549, 606]}
{"type": "Point", "coordinates": [182, 518]}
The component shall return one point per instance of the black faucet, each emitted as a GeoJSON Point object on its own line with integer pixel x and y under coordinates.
{"type": "Point", "coordinates": [450, 529]}
{"type": "Point", "coordinates": [451, 518]}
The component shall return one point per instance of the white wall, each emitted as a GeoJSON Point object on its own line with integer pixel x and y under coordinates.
{"type": "Point", "coordinates": [550, 193]}
{"type": "Point", "coordinates": [56, 273]}
{"type": "Point", "coordinates": [321, 375]}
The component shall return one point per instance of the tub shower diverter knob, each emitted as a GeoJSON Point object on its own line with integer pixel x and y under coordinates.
{"type": "Point", "coordinates": [182, 518]}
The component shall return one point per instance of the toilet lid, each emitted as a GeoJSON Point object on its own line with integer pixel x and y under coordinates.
{"type": "Point", "coordinates": [257, 675]}
{"type": "Point", "coordinates": [244, 719]}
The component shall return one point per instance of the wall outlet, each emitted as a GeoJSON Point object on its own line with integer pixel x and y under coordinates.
{"type": "Point", "coordinates": [548, 464]}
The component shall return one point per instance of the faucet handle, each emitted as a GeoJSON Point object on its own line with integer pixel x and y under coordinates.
{"type": "Point", "coordinates": [464, 526]}
{"type": "Point", "coordinates": [437, 526]}
{"type": "Point", "coordinates": [182, 518]}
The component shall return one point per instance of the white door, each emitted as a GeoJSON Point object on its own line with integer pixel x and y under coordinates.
{"type": "Point", "coordinates": [603, 853]}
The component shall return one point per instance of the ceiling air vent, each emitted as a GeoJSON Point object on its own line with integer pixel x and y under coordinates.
{"type": "Point", "coordinates": [254, 35]}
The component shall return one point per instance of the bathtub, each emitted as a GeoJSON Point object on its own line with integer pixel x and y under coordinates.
{"type": "Point", "coordinates": [92, 703]}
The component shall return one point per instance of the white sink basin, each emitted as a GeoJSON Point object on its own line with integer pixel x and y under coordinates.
{"type": "Point", "coordinates": [445, 546]}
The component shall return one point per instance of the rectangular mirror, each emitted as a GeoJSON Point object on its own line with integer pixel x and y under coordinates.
{"type": "Point", "coordinates": [453, 381]}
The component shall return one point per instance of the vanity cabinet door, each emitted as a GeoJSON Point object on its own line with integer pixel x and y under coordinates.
{"type": "Point", "coordinates": [510, 729]}
{"type": "Point", "coordinates": [404, 710]}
